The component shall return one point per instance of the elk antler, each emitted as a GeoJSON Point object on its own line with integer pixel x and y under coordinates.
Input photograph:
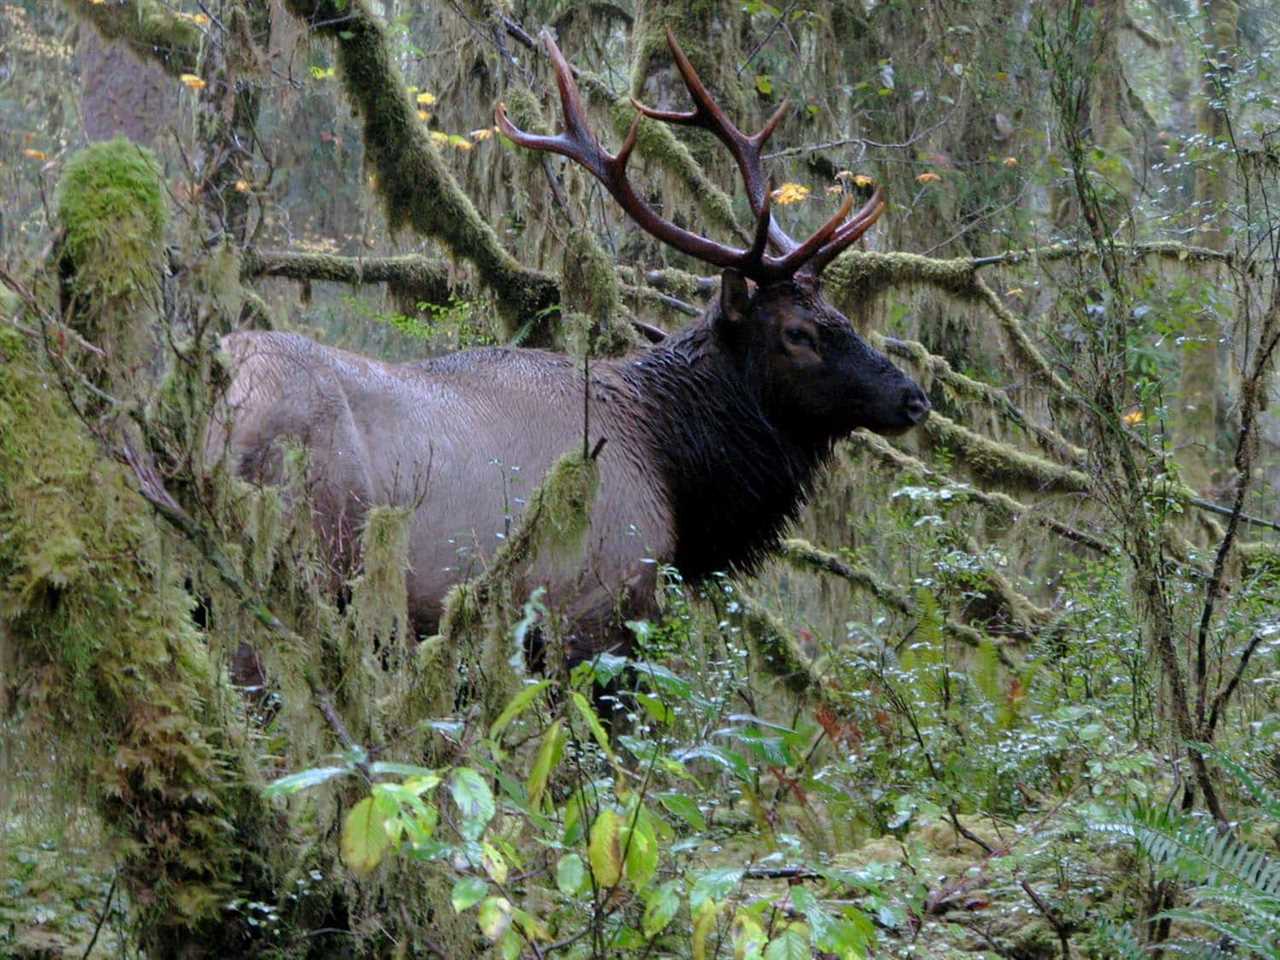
{"type": "Point", "coordinates": [746, 151]}
{"type": "Point", "coordinates": [579, 144]}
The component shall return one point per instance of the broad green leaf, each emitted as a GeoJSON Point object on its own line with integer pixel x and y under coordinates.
{"type": "Point", "coordinates": [519, 703]}
{"type": "Point", "coordinates": [494, 917]}
{"type": "Point", "coordinates": [605, 848]}
{"type": "Point", "coordinates": [684, 808]}
{"type": "Point", "coordinates": [471, 793]}
{"type": "Point", "coordinates": [658, 711]}
{"type": "Point", "coordinates": [549, 754]}
{"type": "Point", "coordinates": [467, 892]}
{"type": "Point", "coordinates": [302, 780]}
{"type": "Point", "coordinates": [660, 907]}
{"type": "Point", "coordinates": [589, 715]}
{"type": "Point", "coordinates": [788, 945]}
{"type": "Point", "coordinates": [364, 834]}
{"type": "Point", "coordinates": [713, 885]}
{"type": "Point", "coordinates": [571, 873]}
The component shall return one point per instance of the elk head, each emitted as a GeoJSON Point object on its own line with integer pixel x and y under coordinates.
{"type": "Point", "coordinates": [817, 377]}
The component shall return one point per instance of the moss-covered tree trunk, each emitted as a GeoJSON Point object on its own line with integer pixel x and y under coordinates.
{"type": "Point", "coordinates": [92, 597]}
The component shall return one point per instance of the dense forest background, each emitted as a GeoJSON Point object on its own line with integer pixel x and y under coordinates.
{"type": "Point", "coordinates": [1009, 689]}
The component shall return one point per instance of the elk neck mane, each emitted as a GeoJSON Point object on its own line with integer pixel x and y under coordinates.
{"type": "Point", "coordinates": [734, 479]}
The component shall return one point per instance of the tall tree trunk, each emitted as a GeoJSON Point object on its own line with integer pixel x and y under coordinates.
{"type": "Point", "coordinates": [1202, 405]}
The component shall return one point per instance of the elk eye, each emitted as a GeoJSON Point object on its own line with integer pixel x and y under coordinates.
{"type": "Point", "coordinates": [799, 337]}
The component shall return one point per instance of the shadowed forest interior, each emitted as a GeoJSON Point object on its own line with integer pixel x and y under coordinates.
{"type": "Point", "coordinates": [323, 634]}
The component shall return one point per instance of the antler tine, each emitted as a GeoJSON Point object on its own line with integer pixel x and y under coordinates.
{"type": "Point", "coordinates": [578, 143]}
{"type": "Point", "coordinates": [849, 233]}
{"type": "Point", "coordinates": [746, 150]}
{"type": "Point", "coordinates": [796, 259]}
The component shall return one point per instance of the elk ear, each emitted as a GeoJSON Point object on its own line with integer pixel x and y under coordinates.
{"type": "Point", "coordinates": [735, 298]}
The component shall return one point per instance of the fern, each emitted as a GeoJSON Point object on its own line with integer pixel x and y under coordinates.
{"type": "Point", "coordinates": [1235, 888]}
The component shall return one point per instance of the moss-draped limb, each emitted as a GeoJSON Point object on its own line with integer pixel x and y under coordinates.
{"type": "Point", "coordinates": [1001, 462]}
{"type": "Point", "coordinates": [1000, 503]}
{"type": "Point", "coordinates": [970, 389]}
{"type": "Point", "coordinates": [805, 556]}
{"type": "Point", "coordinates": [413, 180]}
{"type": "Point", "coordinates": [149, 27]}
{"type": "Point", "coordinates": [425, 279]}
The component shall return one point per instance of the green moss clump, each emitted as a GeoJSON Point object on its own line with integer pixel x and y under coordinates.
{"type": "Point", "coordinates": [112, 207]}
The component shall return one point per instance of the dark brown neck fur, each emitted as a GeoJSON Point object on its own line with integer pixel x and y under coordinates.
{"type": "Point", "coordinates": [733, 477]}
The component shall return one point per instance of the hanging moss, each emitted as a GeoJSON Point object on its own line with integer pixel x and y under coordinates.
{"type": "Point", "coordinates": [589, 287]}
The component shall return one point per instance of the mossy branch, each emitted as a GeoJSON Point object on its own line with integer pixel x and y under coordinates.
{"type": "Point", "coordinates": [150, 28]}
{"type": "Point", "coordinates": [1169, 249]}
{"type": "Point", "coordinates": [805, 556]}
{"type": "Point", "coordinates": [1003, 463]}
{"type": "Point", "coordinates": [427, 279]}
{"type": "Point", "coordinates": [1000, 503]}
{"type": "Point", "coordinates": [413, 180]}
{"type": "Point", "coordinates": [970, 389]}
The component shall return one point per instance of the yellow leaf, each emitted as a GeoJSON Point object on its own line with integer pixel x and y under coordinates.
{"type": "Point", "coordinates": [439, 138]}
{"type": "Point", "coordinates": [605, 848]}
{"type": "Point", "coordinates": [928, 177]}
{"type": "Point", "coordinates": [484, 133]}
{"type": "Point", "coordinates": [1014, 292]}
{"type": "Point", "coordinates": [364, 836]}
{"type": "Point", "coordinates": [192, 82]}
{"type": "Point", "coordinates": [424, 116]}
{"type": "Point", "coordinates": [242, 186]}
{"type": "Point", "coordinates": [703, 924]}
{"type": "Point", "coordinates": [426, 99]}
{"type": "Point", "coordinates": [1010, 161]}
{"type": "Point", "coordinates": [35, 154]}
{"type": "Point", "coordinates": [862, 180]}
{"type": "Point", "coordinates": [1133, 418]}
{"type": "Point", "coordinates": [790, 193]}
{"type": "Point", "coordinates": [199, 19]}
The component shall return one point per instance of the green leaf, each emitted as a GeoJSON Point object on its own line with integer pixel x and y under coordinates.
{"type": "Point", "coordinates": [467, 892]}
{"type": "Point", "coordinates": [302, 780]}
{"type": "Point", "coordinates": [471, 793]}
{"type": "Point", "coordinates": [660, 907]}
{"type": "Point", "coordinates": [519, 703]}
{"type": "Point", "coordinates": [593, 722]}
{"type": "Point", "coordinates": [571, 874]}
{"type": "Point", "coordinates": [713, 885]}
{"type": "Point", "coordinates": [641, 845]}
{"type": "Point", "coordinates": [548, 758]}
{"type": "Point", "coordinates": [364, 834]}
{"type": "Point", "coordinates": [764, 84]}
{"type": "Point", "coordinates": [605, 848]}
{"type": "Point", "coordinates": [789, 945]}
{"type": "Point", "coordinates": [494, 917]}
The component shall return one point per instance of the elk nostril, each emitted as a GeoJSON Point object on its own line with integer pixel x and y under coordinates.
{"type": "Point", "coordinates": [915, 404]}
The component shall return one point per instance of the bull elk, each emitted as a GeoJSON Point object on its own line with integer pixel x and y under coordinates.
{"type": "Point", "coordinates": [714, 435]}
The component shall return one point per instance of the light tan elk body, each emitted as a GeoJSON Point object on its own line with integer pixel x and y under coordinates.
{"type": "Point", "coordinates": [711, 438]}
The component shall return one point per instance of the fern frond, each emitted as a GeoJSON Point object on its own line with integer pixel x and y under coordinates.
{"type": "Point", "coordinates": [1197, 852]}
{"type": "Point", "coordinates": [1118, 942]}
